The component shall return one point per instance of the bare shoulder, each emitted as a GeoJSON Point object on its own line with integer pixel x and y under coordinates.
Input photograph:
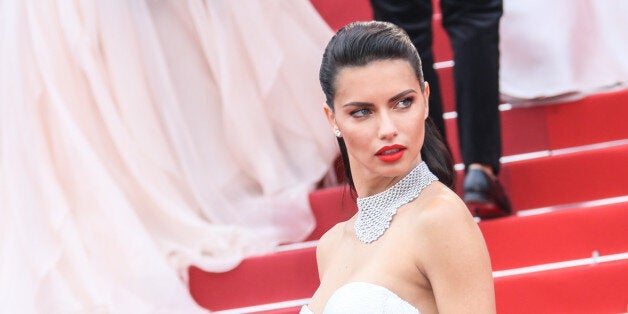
{"type": "Point", "coordinates": [331, 236]}
{"type": "Point", "coordinates": [445, 219]}
{"type": "Point", "coordinates": [326, 244]}
{"type": "Point", "coordinates": [439, 207]}
{"type": "Point", "coordinates": [444, 228]}
{"type": "Point", "coordinates": [451, 252]}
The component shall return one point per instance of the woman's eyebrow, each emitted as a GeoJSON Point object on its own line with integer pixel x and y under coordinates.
{"type": "Point", "coordinates": [392, 99]}
{"type": "Point", "coordinates": [401, 95]}
{"type": "Point", "coordinates": [358, 104]}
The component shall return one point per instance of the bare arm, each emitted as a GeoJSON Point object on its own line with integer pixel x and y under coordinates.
{"type": "Point", "coordinates": [324, 252]}
{"type": "Point", "coordinates": [455, 259]}
{"type": "Point", "coordinates": [325, 245]}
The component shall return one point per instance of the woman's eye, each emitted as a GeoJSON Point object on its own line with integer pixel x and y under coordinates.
{"type": "Point", "coordinates": [360, 113]}
{"type": "Point", "coordinates": [405, 103]}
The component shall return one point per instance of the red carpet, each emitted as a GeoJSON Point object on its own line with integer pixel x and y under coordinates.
{"type": "Point", "coordinates": [562, 156]}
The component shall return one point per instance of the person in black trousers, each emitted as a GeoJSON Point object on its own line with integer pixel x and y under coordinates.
{"type": "Point", "coordinates": [473, 29]}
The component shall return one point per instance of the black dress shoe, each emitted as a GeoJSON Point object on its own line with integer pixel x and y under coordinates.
{"type": "Point", "coordinates": [485, 196]}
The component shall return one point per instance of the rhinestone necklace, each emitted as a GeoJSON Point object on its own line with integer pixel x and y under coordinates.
{"type": "Point", "coordinates": [376, 211]}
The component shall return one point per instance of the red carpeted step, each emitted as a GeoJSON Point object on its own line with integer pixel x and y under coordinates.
{"type": "Point", "coordinates": [597, 118]}
{"type": "Point", "coordinates": [567, 234]}
{"type": "Point", "coordinates": [339, 13]}
{"type": "Point", "coordinates": [567, 178]}
{"type": "Point", "coordinates": [330, 206]}
{"type": "Point", "coordinates": [257, 280]}
{"type": "Point", "coordinates": [599, 288]}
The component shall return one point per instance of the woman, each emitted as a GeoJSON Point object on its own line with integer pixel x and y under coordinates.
{"type": "Point", "coordinates": [413, 246]}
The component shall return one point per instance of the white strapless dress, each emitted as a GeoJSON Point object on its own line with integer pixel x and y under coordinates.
{"type": "Point", "coordinates": [363, 297]}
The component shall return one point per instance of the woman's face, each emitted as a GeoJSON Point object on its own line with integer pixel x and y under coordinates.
{"type": "Point", "coordinates": [381, 112]}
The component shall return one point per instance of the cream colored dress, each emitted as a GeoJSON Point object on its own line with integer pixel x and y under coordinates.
{"type": "Point", "coordinates": [140, 137]}
{"type": "Point", "coordinates": [364, 298]}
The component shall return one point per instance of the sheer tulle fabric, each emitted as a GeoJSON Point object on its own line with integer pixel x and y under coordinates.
{"type": "Point", "coordinates": [139, 137]}
{"type": "Point", "coordinates": [562, 49]}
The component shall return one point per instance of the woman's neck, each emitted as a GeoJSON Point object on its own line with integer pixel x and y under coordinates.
{"type": "Point", "coordinates": [368, 183]}
{"type": "Point", "coordinates": [375, 185]}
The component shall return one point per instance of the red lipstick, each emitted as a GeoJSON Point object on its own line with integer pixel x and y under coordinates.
{"type": "Point", "coordinates": [391, 153]}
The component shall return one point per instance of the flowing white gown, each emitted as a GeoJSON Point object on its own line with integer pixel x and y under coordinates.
{"type": "Point", "coordinates": [562, 49]}
{"type": "Point", "coordinates": [139, 137]}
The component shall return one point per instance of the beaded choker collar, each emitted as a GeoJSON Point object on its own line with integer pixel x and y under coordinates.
{"type": "Point", "coordinates": [375, 212]}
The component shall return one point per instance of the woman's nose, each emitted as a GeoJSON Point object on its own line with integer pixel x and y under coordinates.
{"type": "Point", "coordinates": [387, 127]}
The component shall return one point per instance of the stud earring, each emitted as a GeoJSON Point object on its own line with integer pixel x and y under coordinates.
{"type": "Point", "coordinates": [337, 133]}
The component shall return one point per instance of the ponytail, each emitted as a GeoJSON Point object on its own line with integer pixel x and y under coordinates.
{"type": "Point", "coordinates": [437, 156]}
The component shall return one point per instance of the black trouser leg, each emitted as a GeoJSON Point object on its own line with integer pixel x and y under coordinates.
{"type": "Point", "coordinates": [473, 28]}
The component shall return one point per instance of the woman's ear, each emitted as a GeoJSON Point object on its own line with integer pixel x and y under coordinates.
{"type": "Point", "coordinates": [331, 118]}
{"type": "Point", "coordinates": [426, 95]}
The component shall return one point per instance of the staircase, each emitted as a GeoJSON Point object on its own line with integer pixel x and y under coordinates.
{"type": "Point", "coordinates": [565, 250]}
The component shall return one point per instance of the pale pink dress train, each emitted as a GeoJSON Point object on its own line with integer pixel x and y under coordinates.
{"type": "Point", "coordinates": [139, 137]}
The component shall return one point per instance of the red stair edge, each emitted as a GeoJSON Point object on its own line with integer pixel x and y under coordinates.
{"type": "Point", "coordinates": [567, 177]}
{"type": "Point", "coordinates": [515, 242]}
{"type": "Point", "coordinates": [593, 119]}
{"type": "Point", "coordinates": [597, 288]}
{"type": "Point", "coordinates": [241, 288]}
